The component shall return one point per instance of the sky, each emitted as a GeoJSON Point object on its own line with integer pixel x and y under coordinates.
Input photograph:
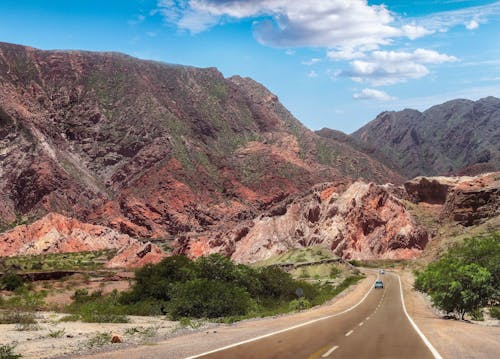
{"type": "Point", "coordinates": [332, 63]}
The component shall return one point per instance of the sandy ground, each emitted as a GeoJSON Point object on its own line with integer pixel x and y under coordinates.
{"type": "Point", "coordinates": [453, 339]}
{"type": "Point", "coordinates": [77, 337]}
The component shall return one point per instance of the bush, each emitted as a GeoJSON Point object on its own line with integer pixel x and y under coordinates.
{"type": "Point", "coordinates": [462, 281]}
{"type": "Point", "coordinates": [299, 304]}
{"type": "Point", "coordinates": [7, 352]}
{"type": "Point", "coordinates": [155, 281]}
{"type": "Point", "coordinates": [11, 281]}
{"type": "Point", "coordinates": [205, 298]}
{"type": "Point", "coordinates": [495, 312]}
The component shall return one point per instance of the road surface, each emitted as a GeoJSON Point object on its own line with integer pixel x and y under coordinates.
{"type": "Point", "coordinates": [376, 328]}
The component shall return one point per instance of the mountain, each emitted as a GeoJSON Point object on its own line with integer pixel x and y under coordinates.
{"type": "Point", "coordinates": [149, 149]}
{"type": "Point", "coordinates": [456, 137]}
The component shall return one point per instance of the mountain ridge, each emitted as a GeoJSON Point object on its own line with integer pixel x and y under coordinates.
{"type": "Point", "coordinates": [456, 137]}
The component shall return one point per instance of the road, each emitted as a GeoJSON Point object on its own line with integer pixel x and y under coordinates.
{"type": "Point", "coordinates": [376, 328]}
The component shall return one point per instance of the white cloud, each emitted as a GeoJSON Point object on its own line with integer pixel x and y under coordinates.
{"type": "Point", "coordinates": [471, 16]}
{"type": "Point", "coordinates": [290, 52]}
{"type": "Point", "coordinates": [415, 31]}
{"type": "Point", "coordinates": [334, 24]}
{"type": "Point", "coordinates": [312, 74]}
{"type": "Point", "coordinates": [473, 24]}
{"type": "Point", "coordinates": [371, 94]}
{"type": "Point", "coordinates": [344, 54]}
{"type": "Point", "coordinates": [391, 67]}
{"type": "Point", "coordinates": [311, 62]}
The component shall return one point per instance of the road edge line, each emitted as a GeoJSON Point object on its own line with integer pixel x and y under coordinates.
{"type": "Point", "coordinates": [282, 330]}
{"type": "Point", "coordinates": [426, 341]}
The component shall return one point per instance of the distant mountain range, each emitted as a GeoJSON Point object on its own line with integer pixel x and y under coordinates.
{"type": "Point", "coordinates": [456, 137]}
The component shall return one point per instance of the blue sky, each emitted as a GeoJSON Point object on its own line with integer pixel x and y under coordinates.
{"type": "Point", "coordinates": [333, 63]}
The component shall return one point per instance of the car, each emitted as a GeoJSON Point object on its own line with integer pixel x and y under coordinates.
{"type": "Point", "coordinates": [381, 271]}
{"type": "Point", "coordinates": [379, 284]}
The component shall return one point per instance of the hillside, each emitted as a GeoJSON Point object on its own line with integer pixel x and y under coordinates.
{"type": "Point", "coordinates": [149, 149]}
{"type": "Point", "coordinates": [456, 137]}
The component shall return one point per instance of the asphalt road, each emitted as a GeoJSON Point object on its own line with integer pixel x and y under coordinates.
{"type": "Point", "coordinates": [376, 328]}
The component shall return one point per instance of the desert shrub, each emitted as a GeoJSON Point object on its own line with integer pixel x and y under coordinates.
{"type": "Point", "coordinates": [335, 271]}
{"type": "Point", "coordinates": [82, 295]}
{"type": "Point", "coordinates": [299, 304]}
{"type": "Point", "coordinates": [17, 317]}
{"type": "Point", "coordinates": [11, 281]}
{"type": "Point", "coordinates": [7, 352]}
{"type": "Point", "coordinates": [25, 299]}
{"type": "Point", "coordinates": [205, 298]}
{"type": "Point", "coordinates": [98, 340]}
{"type": "Point", "coordinates": [56, 333]}
{"type": "Point", "coordinates": [495, 312]}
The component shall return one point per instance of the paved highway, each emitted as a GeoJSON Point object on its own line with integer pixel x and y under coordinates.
{"type": "Point", "coordinates": [375, 328]}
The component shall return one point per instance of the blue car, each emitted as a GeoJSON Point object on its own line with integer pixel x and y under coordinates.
{"type": "Point", "coordinates": [379, 284]}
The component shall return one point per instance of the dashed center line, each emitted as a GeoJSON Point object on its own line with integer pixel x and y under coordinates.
{"type": "Point", "coordinates": [360, 324]}
{"type": "Point", "coordinates": [332, 349]}
{"type": "Point", "coordinates": [349, 333]}
{"type": "Point", "coordinates": [367, 318]}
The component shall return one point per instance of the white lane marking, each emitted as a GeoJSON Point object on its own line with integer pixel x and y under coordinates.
{"type": "Point", "coordinates": [367, 318]}
{"type": "Point", "coordinates": [349, 333]}
{"type": "Point", "coordinates": [360, 324]}
{"type": "Point", "coordinates": [282, 330]}
{"type": "Point", "coordinates": [419, 332]}
{"type": "Point", "coordinates": [332, 349]}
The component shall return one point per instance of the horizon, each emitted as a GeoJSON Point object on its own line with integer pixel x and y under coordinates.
{"type": "Point", "coordinates": [332, 65]}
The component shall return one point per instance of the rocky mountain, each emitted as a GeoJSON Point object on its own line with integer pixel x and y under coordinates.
{"type": "Point", "coordinates": [456, 137]}
{"type": "Point", "coordinates": [105, 151]}
{"type": "Point", "coordinates": [151, 149]}
{"type": "Point", "coordinates": [355, 220]}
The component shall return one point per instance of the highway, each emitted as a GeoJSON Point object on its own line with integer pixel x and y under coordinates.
{"type": "Point", "coordinates": [377, 327]}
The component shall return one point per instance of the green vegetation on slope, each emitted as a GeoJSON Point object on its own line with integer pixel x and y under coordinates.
{"type": "Point", "coordinates": [466, 278]}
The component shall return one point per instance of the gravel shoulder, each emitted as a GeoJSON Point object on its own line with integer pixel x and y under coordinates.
{"type": "Point", "coordinates": [453, 339]}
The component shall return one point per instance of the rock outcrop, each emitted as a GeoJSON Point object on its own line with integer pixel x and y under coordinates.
{"type": "Point", "coordinates": [356, 221]}
{"type": "Point", "coordinates": [55, 233]}
{"type": "Point", "coordinates": [466, 200]}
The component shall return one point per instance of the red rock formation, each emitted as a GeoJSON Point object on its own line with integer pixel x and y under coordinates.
{"type": "Point", "coordinates": [55, 233]}
{"type": "Point", "coordinates": [136, 255]}
{"type": "Point", "coordinates": [357, 221]}
{"type": "Point", "coordinates": [152, 150]}
{"type": "Point", "coordinates": [466, 200]}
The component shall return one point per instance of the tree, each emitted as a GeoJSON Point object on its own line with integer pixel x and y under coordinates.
{"type": "Point", "coordinates": [461, 280]}
{"type": "Point", "coordinates": [205, 298]}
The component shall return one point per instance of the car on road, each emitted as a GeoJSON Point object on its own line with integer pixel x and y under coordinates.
{"type": "Point", "coordinates": [381, 271]}
{"type": "Point", "coordinates": [379, 284]}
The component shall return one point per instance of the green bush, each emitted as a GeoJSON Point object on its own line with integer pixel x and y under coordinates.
{"type": "Point", "coordinates": [205, 298]}
{"type": "Point", "coordinates": [299, 304]}
{"type": "Point", "coordinates": [464, 279]}
{"type": "Point", "coordinates": [155, 281]}
{"type": "Point", "coordinates": [495, 312]}
{"type": "Point", "coordinates": [11, 281]}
